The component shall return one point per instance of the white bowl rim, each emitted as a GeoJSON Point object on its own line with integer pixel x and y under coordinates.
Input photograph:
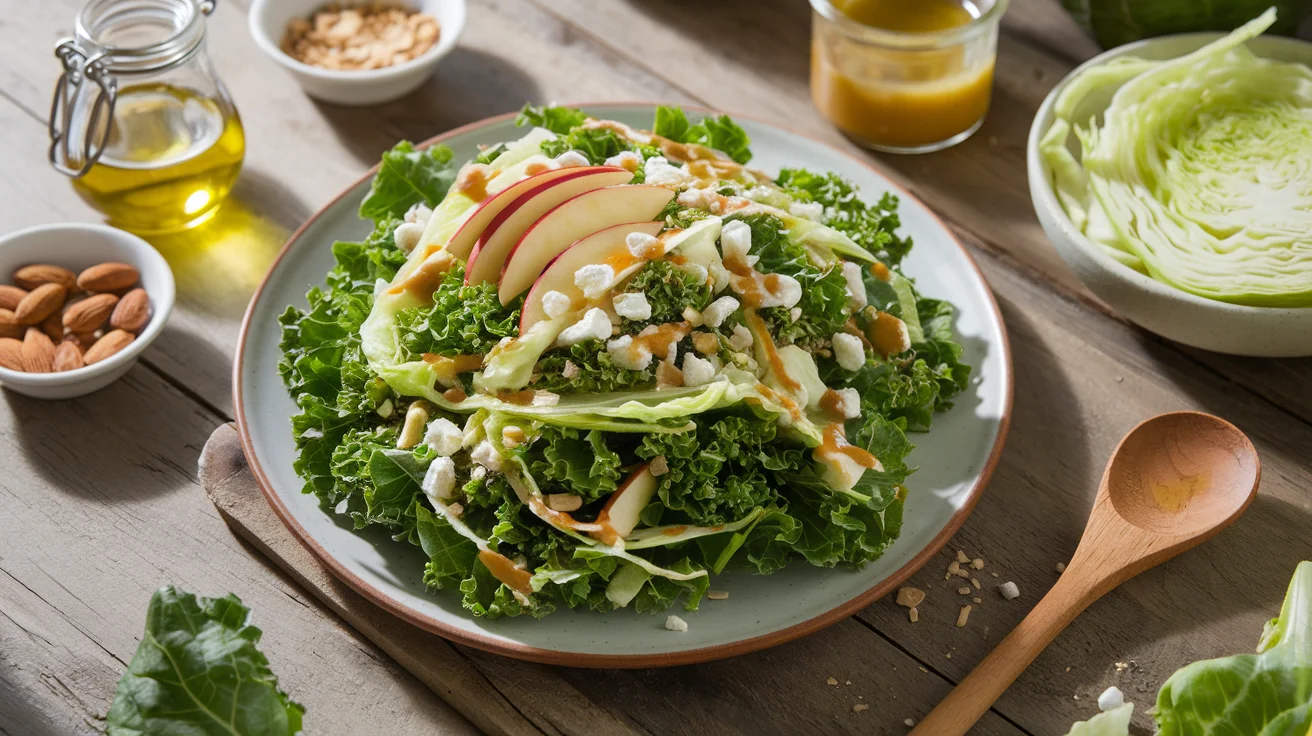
{"type": "Point", "coordinates": [161, 305]}
{"type": "Point", "coordinates": [446, 41]}
{"type": "Point", "coordinates": [1048, 198]}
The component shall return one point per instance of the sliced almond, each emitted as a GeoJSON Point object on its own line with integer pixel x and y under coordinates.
{"type": "Point", "coordinates": [40, 303]}
{"type": "Point", "coordinates": [30, 277]}
{"type": "Point", "coordinates": [105, 277]}
{"type": "Point", "coordinates": [910, 597]}
{"type": "Point", "coordinates": [11, 353]}
{"type": "Point", "coordinates": [111, 343]}
{"type": "Point", "coordinates": [90, 313]}
{"type": "Point", "coordinates": [132, 312]}
{"type": "Point", "coordinates": [9, 326]}
{"type": "Point", "coordinates": [68, 357]}
{"type": "Point", "coordinates": [10, 296]}
{"type": "Point", "coordinates": [564, 502]}
{"type": "Point", "coordinates": [38, 351]}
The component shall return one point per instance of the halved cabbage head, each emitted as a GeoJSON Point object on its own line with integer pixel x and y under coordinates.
{"type": "Point", "coordinates": [1200, 173]}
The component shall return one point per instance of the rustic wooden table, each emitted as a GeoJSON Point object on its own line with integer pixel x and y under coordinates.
{"type": "Point", "coordinates": [100, 504]}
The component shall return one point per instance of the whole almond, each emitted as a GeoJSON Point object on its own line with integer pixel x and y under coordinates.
{"type": "Point", "coordinates": [38, 351]}
{"type": "Point", "coordinates": [11, 353]}
{"type": "Point", "coordinates": [68, 357]}
{"type": "Point", "coordinates": [40, 303]}
{"type": "Point", "coordinates": [112, 342]}
{"type": "Point", "coordinates": [10, 296]}
{"type": "Point", "coordinates": [90, 313]}
{"type": "Point", "coordinates": [107, 277]}
{"type": "Point", "coordinates": [9, 326]}
{"type": "Point", "coordinates": [83, 340]}
{"type": "Point", "coordinates": [30, 277]}
{"type": "Point", "coordinates": [132, 312]}
{"type": "Point", "coordinates": [53, 326]}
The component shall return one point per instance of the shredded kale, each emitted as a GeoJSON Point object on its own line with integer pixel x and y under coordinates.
{"type": "Point", "coordinates": [669, 290]}
{"type": "Point", "coordinates": [595, 372]}
{"type": "Point", "coordinates": [872, 227]}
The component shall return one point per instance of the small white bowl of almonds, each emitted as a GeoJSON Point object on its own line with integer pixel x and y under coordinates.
{"type": "Point", "coordinates": [78, 305]}
{"type": "Point", "coordinates": [357, 53]}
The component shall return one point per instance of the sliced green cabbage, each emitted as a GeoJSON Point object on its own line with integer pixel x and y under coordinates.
{"type": "Point", "coordinates": [662, 536]}
{"type": "Point", "coordinates": [1200, 173]}
{"type": "Point", "coordinates": [1115, 722]}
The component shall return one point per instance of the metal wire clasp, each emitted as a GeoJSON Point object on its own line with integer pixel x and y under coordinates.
{"type": "Point", "coordinates": [80, 66]}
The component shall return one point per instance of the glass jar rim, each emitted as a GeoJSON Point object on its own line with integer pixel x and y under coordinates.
{"type": "Point", "coordinates": [187, 18]}
{"type": "Point", "coordinates": [910, 40]}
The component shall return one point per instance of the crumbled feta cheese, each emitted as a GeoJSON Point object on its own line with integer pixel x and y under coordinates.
{"type": "Point", "coordinates": [571, 159]}
{"type": "Point", "coordinates": [721, 276]}
{"type": "Point", "coordinates": [698, 271]}
{"type": "Point", "coordinates": [595, 324]}
{"type": "Point", "coordinates": [702, 199]}
{"type": "Point", "coordinates": [697, 371]}
{"type": "Point", "coordinates": [642, 245]}
{"type": "Point", "coordinates": [594, 279]}
{"type": "Point", "coordinates": [386, 409]}
{"type": "Point", "coordinates": [1111, 699]}
{"type": "Point", "coordinates": [848, 351]}
{"type": "Point", "coordinates": [753, 260]}
{"type": "Point", "coordinates": [631, 160]}
{"type": "Point", "coordinates": [807, 210]}
{"type": "Point", "coordinates": [741, 338]}
{"type": "Point", "coordinates": [632, 305]}
{"type": "Point", "coordinates": [760, 193]}
{"type": "Point", "coordinates": [856, 290]}
{"type": "Point", "coordinates": [478, 473]}
{"type": "Point", "coordinates": [486, 455]}
{"type": "Point", "coordinates": [444, 437]}
{"type": "Point", "coordinates": [794, 314]}
{"type": "Point", "coordinates": [660, 172]}
{"type": "Point", "coordinates": [735, 239]}
{"type": "Point", "coordinates": [555, 304]}
{"type": "Point", "coordinates": [419, 213]}
{"type": "Point", "coordinates": [849, 403]}
{"type": "Point", "coordinates": [440, 480]}
{"type": "Point", "coordinates": [1009, 590]}
{"type": "Point", "coordinates": [787, 292]}
{"type": "Point", "coordinates": [570, 370]}
{"type": "Point", "coordinates": [672, 352]}
{"type": "Point", "coordinates": [407, 235]}
{"type": "Point", "coordinates": [674, 623]}
{"type": "Point", "coordinates": [626, 354]}
{"type": "Point", "coordinates": [719, 310]}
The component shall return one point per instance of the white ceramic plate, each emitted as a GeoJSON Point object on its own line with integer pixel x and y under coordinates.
{"type": "Point", "coordinates": [955, 459]}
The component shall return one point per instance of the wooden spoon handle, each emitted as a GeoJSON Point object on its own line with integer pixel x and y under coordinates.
{"type": "Point", "coordinates": [982, 687]}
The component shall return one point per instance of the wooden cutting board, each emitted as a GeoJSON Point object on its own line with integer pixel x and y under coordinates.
{"type": "Point", "coordinates": [496, 694]}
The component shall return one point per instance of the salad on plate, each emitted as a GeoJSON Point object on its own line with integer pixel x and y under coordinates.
{"type": "Point", "coordinates": [597, 366]}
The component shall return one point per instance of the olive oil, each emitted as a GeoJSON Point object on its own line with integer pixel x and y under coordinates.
{"type": "Point", "coordinates": [171, 157]}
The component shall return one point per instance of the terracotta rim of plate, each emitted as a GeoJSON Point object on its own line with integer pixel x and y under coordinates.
{"type": "Point", "coordinates": [669, 659]}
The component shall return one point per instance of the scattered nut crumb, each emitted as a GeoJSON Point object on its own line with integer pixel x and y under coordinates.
{"type": "Point", "coordinates": [564, 502]}
{"type": "Point", "coordinates": [910, 597]}
{"type": "Point", "coordinates": [674, 623]}
{"type": "Point", "coordinates": [1068, 669]}
{"type": "Point", "coordinates": [948, 655]}
{"type": "Point", "coordinates": [955, 569]}
{"type": "Point", "coordinates": [922, 669]}
{"type": "Point", "coordinates": [913, 613]}
{"type": "Point", "coordinates": [832, 681]}
{"type": "Point", "coordinates": [994, 574]}
{"type": "Point", "coordinates": [963, 590]}
{"type": "Point", "coordinates": [849, 682]}
{"type": "Point", "coordinates": [717, 595]}
{"type": "Point", "coordinates": [1009, 590]}
{"type": "Point", "coordinates": [977, 563]}
{"type": "Point", "coordinates": [963, 616]}
{"type": "Point", "coordinates": [909, 723]}
{"type": "Point", "coordinates": [976, 601]}
{"type": "Point", "coordinates": [369, 36]}
{"type": "Point", "coordinates": [860, 707]}
{"type": "Point", "coordinates": [1122, 666]}
{"type": "Point", "coordinates": [962, 557]}
{"type": "Point", "coordinates": [975, 583]}
{"type": "Point", "coordinates": [1061, 567]}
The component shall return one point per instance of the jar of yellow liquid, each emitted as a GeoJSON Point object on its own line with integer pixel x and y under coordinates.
{"type": "Point", "coordinates": [140, 120]}
{"type": "Point", "coordinates": [904, 76]}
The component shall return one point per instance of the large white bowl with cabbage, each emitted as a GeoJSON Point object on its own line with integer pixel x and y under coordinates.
{"type": "Point", "coordinates": [1206, 243]}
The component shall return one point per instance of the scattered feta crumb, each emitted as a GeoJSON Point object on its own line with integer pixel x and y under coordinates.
{"type": "Point", "coordinates": [658, 466]}
{"type": "Point", "coordinates": [696, 371]}
{"type": "Point", "coordinates": [672, 352]}
{"type": "Point", "coordinates": [794, 314]}
{"type": "Point", "coordinates": [555, 304]}
{"type": "Point", "coordinates": [674, 623]}
{"type": "Point", "coordinates": [642, 245]}
{"type": "Point", "coordinates": [1061, 567]}
{"type": "Point", "coordinates": [660, 172]}
{"type": "Point", "coordinates": [963, 616]}
{"type": "Point", "coordinates": [702, 199]}
{"type": "Point", "coordinates": [735, 240]}
{"type": "Point", "coordinates": [444, 437]}
{"type": "Point", "coordinates": [859, 707]}
{"type": "Point", "coordinates": [419, 213]}
{"type": "Point", "coordinates": [856, 290]}
{"type": "Point", "coordinates": [719, 310]}
{"type": "Point", "coordinates": [1111, 699]}
{"type": "Point", "coordinates": [570, 370]}
{"type": "Point", "coordinates": [407, 235]}
{"type": "Point", "coordinates": [741, 339]}
{"type": "Point", "coordinates": [848, 351]}
{"type": "Point", "coordinates": [478, 473]}
{"type": "Point", "coordinates": [910, 597]}
{"type": "Point", "coordinates": [787, 292]}
{"type": "Point", "coordinates": [486, 455]}
{"type": "Point", "coordinates": [594, 279]}
{"type": "Point", "coordinates": [807, 210]}
{"type": "Point", "coordinates": [594, 325]}
{"type": "Point", "coordinates": [718, 595]}
{"type": "Point", "coordinates": [439, 480]}
{"type": "Point", "coordinates": [629, 355]}
{"type": "Point", "coordinates": [719, 275]}
{"type": "Point", "coordinates": [1009, 590]}
{"type": "Point", "coordinates": [631, 160]}
{"type": "Point", "coordinates": [571, 159]}
{"type": "Point", "coordinates": [632, 305]}
{"type": "Point", "coordinates": [849, 402]}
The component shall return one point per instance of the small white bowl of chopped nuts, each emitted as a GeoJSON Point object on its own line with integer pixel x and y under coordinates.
{"type": "Point", "coordinates": [78, 305]}
{"type": "Point", "coordinates": [362, 53]}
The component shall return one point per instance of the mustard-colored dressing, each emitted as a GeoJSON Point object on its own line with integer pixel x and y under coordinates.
{"type": "Point", "coordinates": [1174, 496]}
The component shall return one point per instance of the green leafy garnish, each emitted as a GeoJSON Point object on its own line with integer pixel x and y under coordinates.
{"type": "Point", "coordinates": [714, 131]}
{"type": "Point", "coordinates": [873, 227]}
{"type": "Point", "coordinates": [407, 176]}
{"type": "Point", "coordinates": [462, 320]}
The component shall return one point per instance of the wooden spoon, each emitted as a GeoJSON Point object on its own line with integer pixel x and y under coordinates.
{"type": "Point", "coordinates": [1173, 482]}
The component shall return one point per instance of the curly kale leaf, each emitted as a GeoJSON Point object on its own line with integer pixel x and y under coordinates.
{"type": "Point", "coordinates": [714, 131]}
{"type": "Point", "coordinates": [596, 371]}
{"type": "Point", "coordinates": [557, 119]}
{"type": "Point", "coordinates": [406, 177]}
{"type": "Point", "coordinates": [669, 290]}
{"type": "Point", "coordinates": [871, 226]}
{"type": "Point", "coordinates": [462, 320]}
{"type": "Point", "coordinates": [577, 461]}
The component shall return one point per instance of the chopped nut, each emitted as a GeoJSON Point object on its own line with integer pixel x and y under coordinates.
{"type": "Point", "coordinates": [512, 436]}
{"type": "Point", "coordinates": [977, 563]}
{"type": "Point", "coordinates": [994, 574]}
{"type": "Point", "coordinates": [910, 597]}
{"type": "Point", "coordinates": [1122, 666]}
{"type": "Point", "coordinates": [963, 590]}
{"type": "Point", "coordinates": [455, 510]}
{"type": "Point", "coordinates": [1009, 590]}
{"type": "Point", "coordinates": [976, 600]}
{"type": "Point", "coordinates": [717, 595]}
{"type": "Point", "coordinates": [705, 343]}
{"type": "Point", "coordinates": [658, 466]}
{"type": "Point", "coordinates": [570, 370]}
{"type": "Point", "coordinates": [963, 616]}
{"type": "Point", "coordinates": [1061, 567]}
{"type": "Point", "coordinates": [859, 707]}
{"type": "Point", "coordinates": [975, 583]}
{"type": "Point", "coordinates": [832, 681]}
{"type": "Point", "coordinates": [564, 502]}
{"type": "Point", "coordinates": [366, 37]}
{"type": "Point", "coordinates": [962, 557]}
{"type": "Point", "coordinates": [913, 614]}
{"type": "Point", "coordinates": [955, 569]}
{"type": "Point", "coordinates": [909, 723]}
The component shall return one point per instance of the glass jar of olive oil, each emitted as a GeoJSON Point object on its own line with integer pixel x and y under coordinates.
{"type": "Point", "coordinates": [139, 118]}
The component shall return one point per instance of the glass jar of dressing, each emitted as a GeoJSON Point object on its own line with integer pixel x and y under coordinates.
{"type": "Point", "coordinates": [139, 118]}
{"type": "Point", "coordinates": [904, 76]}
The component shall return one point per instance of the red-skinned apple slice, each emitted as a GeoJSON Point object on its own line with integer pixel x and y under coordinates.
{"type": "Point", "coordinates": [571, 221]}
{"type": "Point", "coordinates": [604, 246]}
{"type": "Point", "coordinates": [620, 514]}
{"type": "Point", "coordinates": [462, 242]}
{"type": "Point", "coordinates": [494, 244]}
